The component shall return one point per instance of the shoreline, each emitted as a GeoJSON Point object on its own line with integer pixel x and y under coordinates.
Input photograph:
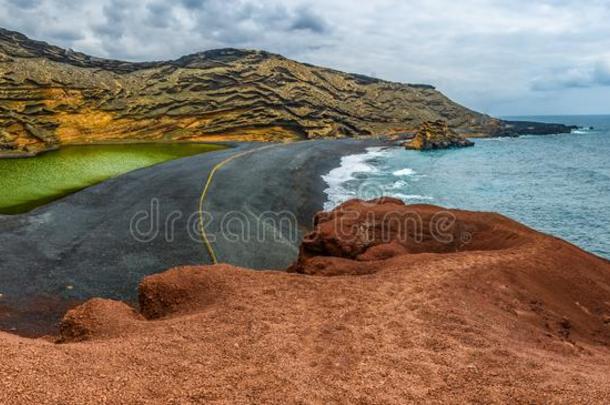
{"type": "Point", "coordinates": [402, 174]}
{"type": "Point", "coordinates": [347, 312]}
{"type": "Point", "coordinates": [25, 155]}
{"type": "Point", "coordinates": [520, 128]}
{"type": "Point", "coordinates": [90, 229]}
{"type": "Point", "coordinates": [285, 178]}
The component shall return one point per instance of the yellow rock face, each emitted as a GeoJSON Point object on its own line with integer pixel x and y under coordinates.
{"type": "Point", "coordinates": [436, 135]}
{"type": "Point", "coordinates": [49, 96]}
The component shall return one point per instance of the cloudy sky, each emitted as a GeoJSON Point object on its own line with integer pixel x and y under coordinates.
{"type": "Point", "coordinates": [503, 57]}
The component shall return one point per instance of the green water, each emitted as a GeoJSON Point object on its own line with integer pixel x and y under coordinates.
{"type": "Point", "coordinates": [30, 182]}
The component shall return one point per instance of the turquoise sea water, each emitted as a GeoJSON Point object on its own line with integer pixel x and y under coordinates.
{"type": "Point", "coordinates": [558, 184]}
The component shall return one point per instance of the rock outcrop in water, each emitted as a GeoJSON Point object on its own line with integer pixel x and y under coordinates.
{"type": "Point", "coordinates": [50, 96]}
{"type": "Point", "coordinates": [431, 304]}
{"type": "Point", "coordinates": [516, 128]}
{"type": "Point", "coordinates": [436, 135]}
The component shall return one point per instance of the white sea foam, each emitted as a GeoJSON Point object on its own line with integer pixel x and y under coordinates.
{"type": "Point", "coordinates": [400, 184]}
{"type": "Point", "coordinates": [340, 188]}
{"type": "Point", "coordinates": [497, 139]}
{"type": "Point", "coordinates": [350, 165]}
{"type": "Point", "coordinates": [348, 169]}
{"type": "Point", "coordinates": [411, 197]}
{"type": "Point", "coordinates": [404, 172]}
{"type": "Point", "coordinates": [375, 151]}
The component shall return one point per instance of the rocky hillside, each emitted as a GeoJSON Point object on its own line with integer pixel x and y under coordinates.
{"type": "Point", "coordinates": [436, 135]}
{"type": "Point", "coordinates": [51, 96]}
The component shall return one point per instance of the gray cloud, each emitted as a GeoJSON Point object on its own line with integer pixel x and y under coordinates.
{"type": "Point", "coordinates": [492, 55]}
{"type": "Point", "coordinates": [601, 74]}
{"type": "Point", "coordinates": [597, 74]}
{"type": "Point", "coordinates": [308, 20]}
{"type": "Point", "coordinates": [114, 14]}
{"type": "Point", "coordinates": [159, 14]}
{"type": "Point", "coordinates": [25, 4]}
{"type": "Point", "coordinates": [192, 4]}
{"type": "Point", "coordinates": [64, 35]}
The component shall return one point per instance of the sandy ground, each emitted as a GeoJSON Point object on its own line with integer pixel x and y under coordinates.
{"type": "Point", "coordinates": [505, 315]}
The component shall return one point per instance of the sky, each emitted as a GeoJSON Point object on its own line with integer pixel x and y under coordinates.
{"type": "Point", "coordinates": [501, 57]}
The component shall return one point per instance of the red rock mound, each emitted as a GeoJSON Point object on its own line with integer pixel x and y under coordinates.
{"type": "Point", "coordinates": [98, 318]}
{"type": "Point", "coordinates": [561, 289]}
{"type": "Point", "coordinates": [180, 290]}
{"type": "Point", "coordinates": [367, 231]}
{"type": "Point", "coordinates": [425, 305]}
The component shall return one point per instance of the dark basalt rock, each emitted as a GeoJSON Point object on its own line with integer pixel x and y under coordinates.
{"type": "Point", "coordinates": [516, 128]}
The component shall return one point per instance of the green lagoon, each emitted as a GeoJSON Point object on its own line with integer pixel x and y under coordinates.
{"type": "Point", "coordinates": [26, 183]}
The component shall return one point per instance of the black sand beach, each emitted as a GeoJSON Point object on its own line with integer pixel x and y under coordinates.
{"type": "Point", "coordinates": [86, 245]}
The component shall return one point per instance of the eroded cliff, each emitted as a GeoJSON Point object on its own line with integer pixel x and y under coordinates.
{"type": "Point", "coordinates": [51, 96]}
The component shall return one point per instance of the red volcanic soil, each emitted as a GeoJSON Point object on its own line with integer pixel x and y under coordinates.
{"type": "Point", "coordinates": [387, 303]}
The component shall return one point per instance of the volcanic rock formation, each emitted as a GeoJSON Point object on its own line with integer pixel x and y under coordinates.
{"type": "Point", "coordinates": [387, 303]}
{"type": "Point", "coordinates": [436, 135]}
{"type": "Point", "coordinates": [51, 96]}
{"type": "Point", "coordinates": [504, 265]}
{"type": "Point", "coordinates": [516, 128]}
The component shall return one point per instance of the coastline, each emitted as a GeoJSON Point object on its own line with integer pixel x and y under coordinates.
{"type": "Point", "coordinates": [286, 178]}
{"type": "Point", "coordinates": [514, 128]}
{"type": "Point", "coordinates": [519, 176]}
{"type": "Point", "coordinates": [341, 319]}
{"type": "Point", "coordinates": [90, 229]}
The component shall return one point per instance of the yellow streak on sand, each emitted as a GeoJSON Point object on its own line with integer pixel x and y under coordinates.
{"type": "Point", "coordinates": [204, 236]}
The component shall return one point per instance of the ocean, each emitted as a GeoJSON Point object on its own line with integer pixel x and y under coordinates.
{"type": "Point", "coordinates": [557, 184]}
